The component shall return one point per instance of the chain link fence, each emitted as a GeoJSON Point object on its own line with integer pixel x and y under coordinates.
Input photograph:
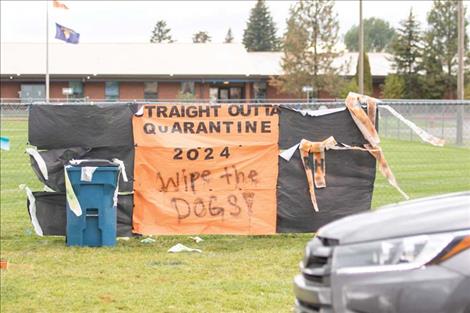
{"type": "Point", "coordinates": [421, 169]}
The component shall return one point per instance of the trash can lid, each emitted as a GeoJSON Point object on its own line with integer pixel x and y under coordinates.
{"type": "Point", "coordinates": [92, 162]}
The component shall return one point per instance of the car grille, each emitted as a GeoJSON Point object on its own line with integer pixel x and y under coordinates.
{"type": "Point", "coordinates": [312, 287]}
{"type": "Point", "coordinates": [317, 265]}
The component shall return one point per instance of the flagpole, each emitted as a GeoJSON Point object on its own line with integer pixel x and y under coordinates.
{"type": "Point", "coordinates": [47, 51]}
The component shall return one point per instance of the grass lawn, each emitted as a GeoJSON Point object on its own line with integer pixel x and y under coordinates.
{"type": "Point", "coordinates": [233, 274]}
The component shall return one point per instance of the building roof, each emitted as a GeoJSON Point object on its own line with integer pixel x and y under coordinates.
{"type": "Point", "coordinates": [147, 59]}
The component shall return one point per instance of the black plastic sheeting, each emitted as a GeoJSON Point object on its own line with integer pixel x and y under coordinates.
{"type": "Point", "coordinates": [88, 126]}
{"type": "Point", "coordinates": [349, 176]}
{"type": "Point", "coordinates": [65, 132]}
{"type": "Point", "coordinates": [55, 160]}
{"type": "Point", "coordinates": [51, 213]}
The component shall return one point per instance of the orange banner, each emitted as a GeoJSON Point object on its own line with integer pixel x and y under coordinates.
{"type": "Point", "coordinates": [205, 169]}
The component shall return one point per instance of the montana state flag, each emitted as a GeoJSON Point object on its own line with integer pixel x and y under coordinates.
{"type": "Point", "coordinates": [66, 34]}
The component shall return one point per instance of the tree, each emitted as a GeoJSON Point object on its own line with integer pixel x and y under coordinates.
{"type": "Point", "coordinates": [377, 34]}
{"type": "Point", "coordinates": [161, 33]}
{"type": "Point", "coordinates": [394, 87]}
{"type": "Point", "coordinates": [407, 51]}
{"type": "Point", "coordinates": [201, 37]}
{"type": "Point", "coordinates": [260, 31]}
{"type": "Point", "coordinates": [229, 37]}
{"type": "Point", "coordinates": [347, 86]}
{"type": "Point", "coordinates": [368, 87]}
{"type": "Point", "coordinates": [440, 48]}
{"type": "Point", "coordinates": [312, 33]}
{"type": "Point", "coordinates": [294, 61]}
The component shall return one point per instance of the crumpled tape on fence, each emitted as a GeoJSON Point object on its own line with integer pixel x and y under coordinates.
{"type": "Point", "coordinates": [366, 124]}
{"type": "Point", "coordinates": [318, 149]}
{"type": "Point", "coordinates": [318, 180]}
{"type": "Point", "coordinates": [384, 168]}
{"type": "Point", "coordinates": [362, 120]}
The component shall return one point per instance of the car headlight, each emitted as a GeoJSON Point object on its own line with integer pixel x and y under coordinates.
{"type": "Point", "coordinates": [398, 254]}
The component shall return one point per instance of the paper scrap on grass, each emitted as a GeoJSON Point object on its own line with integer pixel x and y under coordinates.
{"type": "Point", "coordinates": [182, 248]}
{"type": "Point", "coordinates": [197, 239]}
{"type": "Point", "coordinates": [5, 143]}
{"type": "Point", "coordinates": [148, 240]}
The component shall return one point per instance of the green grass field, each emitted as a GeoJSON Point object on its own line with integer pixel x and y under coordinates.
{"type": "Point", "coordinates": [233, 274]}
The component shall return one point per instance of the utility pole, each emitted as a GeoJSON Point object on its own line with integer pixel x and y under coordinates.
{"type": "Point", "coordinates": [361, 50]}
{"type": "Point", "coordinates": [47, 51]}
{"type": "Point", "coordinates": [460, 76]}
{"type": "Point", "coordinates": [461, 35]}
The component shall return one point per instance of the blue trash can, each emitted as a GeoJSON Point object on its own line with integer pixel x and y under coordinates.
{"type": "Point", "coordinates": [94, 183]}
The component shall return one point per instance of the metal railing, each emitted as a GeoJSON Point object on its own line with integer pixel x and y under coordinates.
{"type": "Point", "coordinates": [420, 169]}
{"type": "Point", "coordinates": [447, 119]}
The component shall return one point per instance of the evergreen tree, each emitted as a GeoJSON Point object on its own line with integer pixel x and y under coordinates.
{"type": "Point", "coordinates": [260, 32]}
{"type": "Point", "coordinates": [377, 35]}
{"type": "Point", "coordinates": [201, 37]}
{"type": "Point", "coordinates": [432, 77]}
{"type": "Point", "coordinates": [229, 37]}
{"type": "Point", "coordinates": [439, 61]}
{"type": "Point", "coordinates": [394, 87]}
{"type": "Point", "coordinates": [406, 50]}
{"type": "Point", "coordinates": [161, 33]}
{"type": "Point", "coordinates": [312, 32]}
{"type": "Point", "coordinates": [347, 86]}
{"type": "Point", "coordinates": [368, 87]}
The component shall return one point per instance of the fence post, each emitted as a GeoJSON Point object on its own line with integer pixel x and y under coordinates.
{"type": "Point", "coordinates": [460, 113]}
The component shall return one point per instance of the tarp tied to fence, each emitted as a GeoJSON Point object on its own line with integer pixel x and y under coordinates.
{"type": "Point", "coordinates": [205, 169]}
{"type": "Point", "coordinates": [214, 168]}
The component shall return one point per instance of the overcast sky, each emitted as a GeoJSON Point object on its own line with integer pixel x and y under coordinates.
{"type": "Point", "coordinates": [133, 21]}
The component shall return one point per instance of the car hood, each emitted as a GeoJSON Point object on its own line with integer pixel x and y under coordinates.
{"type": "Point", "coordinates": [428, 215]}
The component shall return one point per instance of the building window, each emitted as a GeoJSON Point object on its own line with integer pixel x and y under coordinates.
{"type": "Point", "coordinates": [111, 90]}
{"type": "Point", "coordinates": [187, 87]}
{"type": "Point", "coordinates": [259, 89]}
{"type": "Point", "coordinates": [150, 90]}
{"type": "Point", "coordinates": [77, 89]}
{"type": "Point", "coordinates": [235, 93]}
{"type": "Point", "coordinates": [31, 92]}
{"type": "Point", "coordinates": [213, 94]}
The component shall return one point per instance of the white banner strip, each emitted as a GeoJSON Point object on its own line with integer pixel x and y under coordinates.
{"type": "Point", "coordinates": [40, 161]}
{"type": "Point", "coordinates": [72, 200]}
{"type": "Point", "coordinates": [32, 209]}
{"type": "Point", "coordinates": [122, 167]}
{"type": "Point", "coordinates": [425, 136]}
